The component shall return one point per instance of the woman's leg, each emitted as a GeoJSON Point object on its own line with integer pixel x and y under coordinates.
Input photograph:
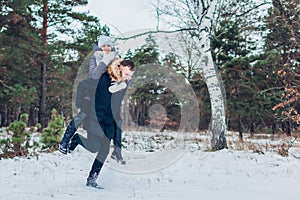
{"type": "Point", "coordinates": [91, 143]}
{"type": "Point", "coordinates": [85, 93]}
{"type": "Point", "coordinates": [70, 131]}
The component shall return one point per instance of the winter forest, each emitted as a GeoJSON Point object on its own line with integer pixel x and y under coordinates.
{"type": "Point", "coordinates": [213, 111]}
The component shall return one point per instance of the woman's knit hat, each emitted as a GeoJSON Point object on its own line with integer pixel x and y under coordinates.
{"type": "Point", "coordinates": [104, 40]}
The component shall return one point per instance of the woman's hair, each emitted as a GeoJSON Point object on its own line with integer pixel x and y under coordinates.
{"type": "Point", "coordinates": [113, 70]}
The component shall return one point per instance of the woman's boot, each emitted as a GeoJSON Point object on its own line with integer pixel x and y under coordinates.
{"type": "Point", "coordinates": [63, 145]}
{"type": "Point", "coordinates": [73, 143]}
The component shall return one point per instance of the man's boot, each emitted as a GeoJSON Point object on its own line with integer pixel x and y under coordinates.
{"type": "Point", "coordinates": [117, 155]}
{"type": "Point", "coordinates": [93, 175]}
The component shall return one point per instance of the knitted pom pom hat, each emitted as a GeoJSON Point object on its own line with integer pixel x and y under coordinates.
{"type": "Point", "coordinates": [104, 40]}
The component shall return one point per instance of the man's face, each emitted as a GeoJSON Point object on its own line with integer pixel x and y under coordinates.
{"type": "Point", "coordinates": [126, 72]}
{"type": "Point", "coordinates": [106, 48]}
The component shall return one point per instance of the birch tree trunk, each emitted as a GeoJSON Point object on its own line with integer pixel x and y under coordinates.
{"type": "Point", "coordinates": [218, 119]}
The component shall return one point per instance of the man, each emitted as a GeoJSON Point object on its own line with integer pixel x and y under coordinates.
{"type": "Point", "coordinates": [107, 115]}
{"type": "Point", "coordinates": [103, 55]}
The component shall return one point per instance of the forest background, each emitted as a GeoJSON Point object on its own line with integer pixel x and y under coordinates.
{"type": "Point", "coordinates": [256, 49]}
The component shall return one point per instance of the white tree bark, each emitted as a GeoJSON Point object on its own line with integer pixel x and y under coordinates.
{"type": "Point", "coordinates": [217, 100]}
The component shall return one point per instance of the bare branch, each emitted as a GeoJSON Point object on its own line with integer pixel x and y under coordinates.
{"type": "Point", "coordinates": [192, 13]}
{"type": "Point", "coordinates": [269, 89]}
{"type": "Point", "coordinates": [290, 145]}
{"type": "Point", "coordinates": [155, 32]}
{"type": "Point", "coordinates": [286, 17]}
{"type": "Point", "coordinates": [7, 86]}
{"type": "Point", "coordinates": [157, 14]}
{"type": "Point", "coordinates": [116, 29]}
{"type": "Point", "coordinates": [251, 9]}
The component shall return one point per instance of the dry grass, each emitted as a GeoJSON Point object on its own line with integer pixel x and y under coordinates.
{"type": "Point", "coordinates": [262, 143]}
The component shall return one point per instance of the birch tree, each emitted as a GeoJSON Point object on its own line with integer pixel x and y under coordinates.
{"type": "Point", "coordinates": [195, 17]}
{"type": "Point", "coordinates": [205, 10]}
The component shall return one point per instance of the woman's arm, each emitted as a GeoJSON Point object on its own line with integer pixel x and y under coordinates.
{"type": "Point", "coordinates": [95, 70]}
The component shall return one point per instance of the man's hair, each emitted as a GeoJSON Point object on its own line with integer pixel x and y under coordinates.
{"type": "Point", "coordinates": [128, 63]}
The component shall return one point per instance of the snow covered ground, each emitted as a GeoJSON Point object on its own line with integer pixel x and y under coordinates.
{"type": "Point", "coordinates": [159, 173]}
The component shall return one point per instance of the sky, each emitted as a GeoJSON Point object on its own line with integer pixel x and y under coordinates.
{"type": "Point", "coordinates": [123, 15]}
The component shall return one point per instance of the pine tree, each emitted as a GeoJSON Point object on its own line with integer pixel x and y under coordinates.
{"type": "Point", "coordinates": [283, 41]}
{"type": "Point", "coordinates": [146, 57]}
{"type": "Point", "coordinates": [43, 40]}
{"type": "Point", "coordinates": [235, 51]}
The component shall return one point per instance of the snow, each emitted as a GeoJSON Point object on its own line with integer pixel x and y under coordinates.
{"type": "Point", "coordinates": [162, 173]}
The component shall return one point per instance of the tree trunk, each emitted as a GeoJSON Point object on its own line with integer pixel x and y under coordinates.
{"type": "Point", "coordinates": [3, 119]}
{"type": "Point", "coordinates": [273, 127]}
{"type": "Point", "coordinates": [240, 128]}
{"type": "Point", "coordinates": [43, 89]}
{"type": "Point", "coordinates": [42, 103]}
{"type": "Point", "coordinates": [9, 114]}
{"type": "Point", "coordinates": [218, 119]}
{"type": "Point", "coordinates": [288, 129]}
{"type": "Point", "coordinates": [251, 125]}
{"type": "Point", "coordinates": [31, 119]}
